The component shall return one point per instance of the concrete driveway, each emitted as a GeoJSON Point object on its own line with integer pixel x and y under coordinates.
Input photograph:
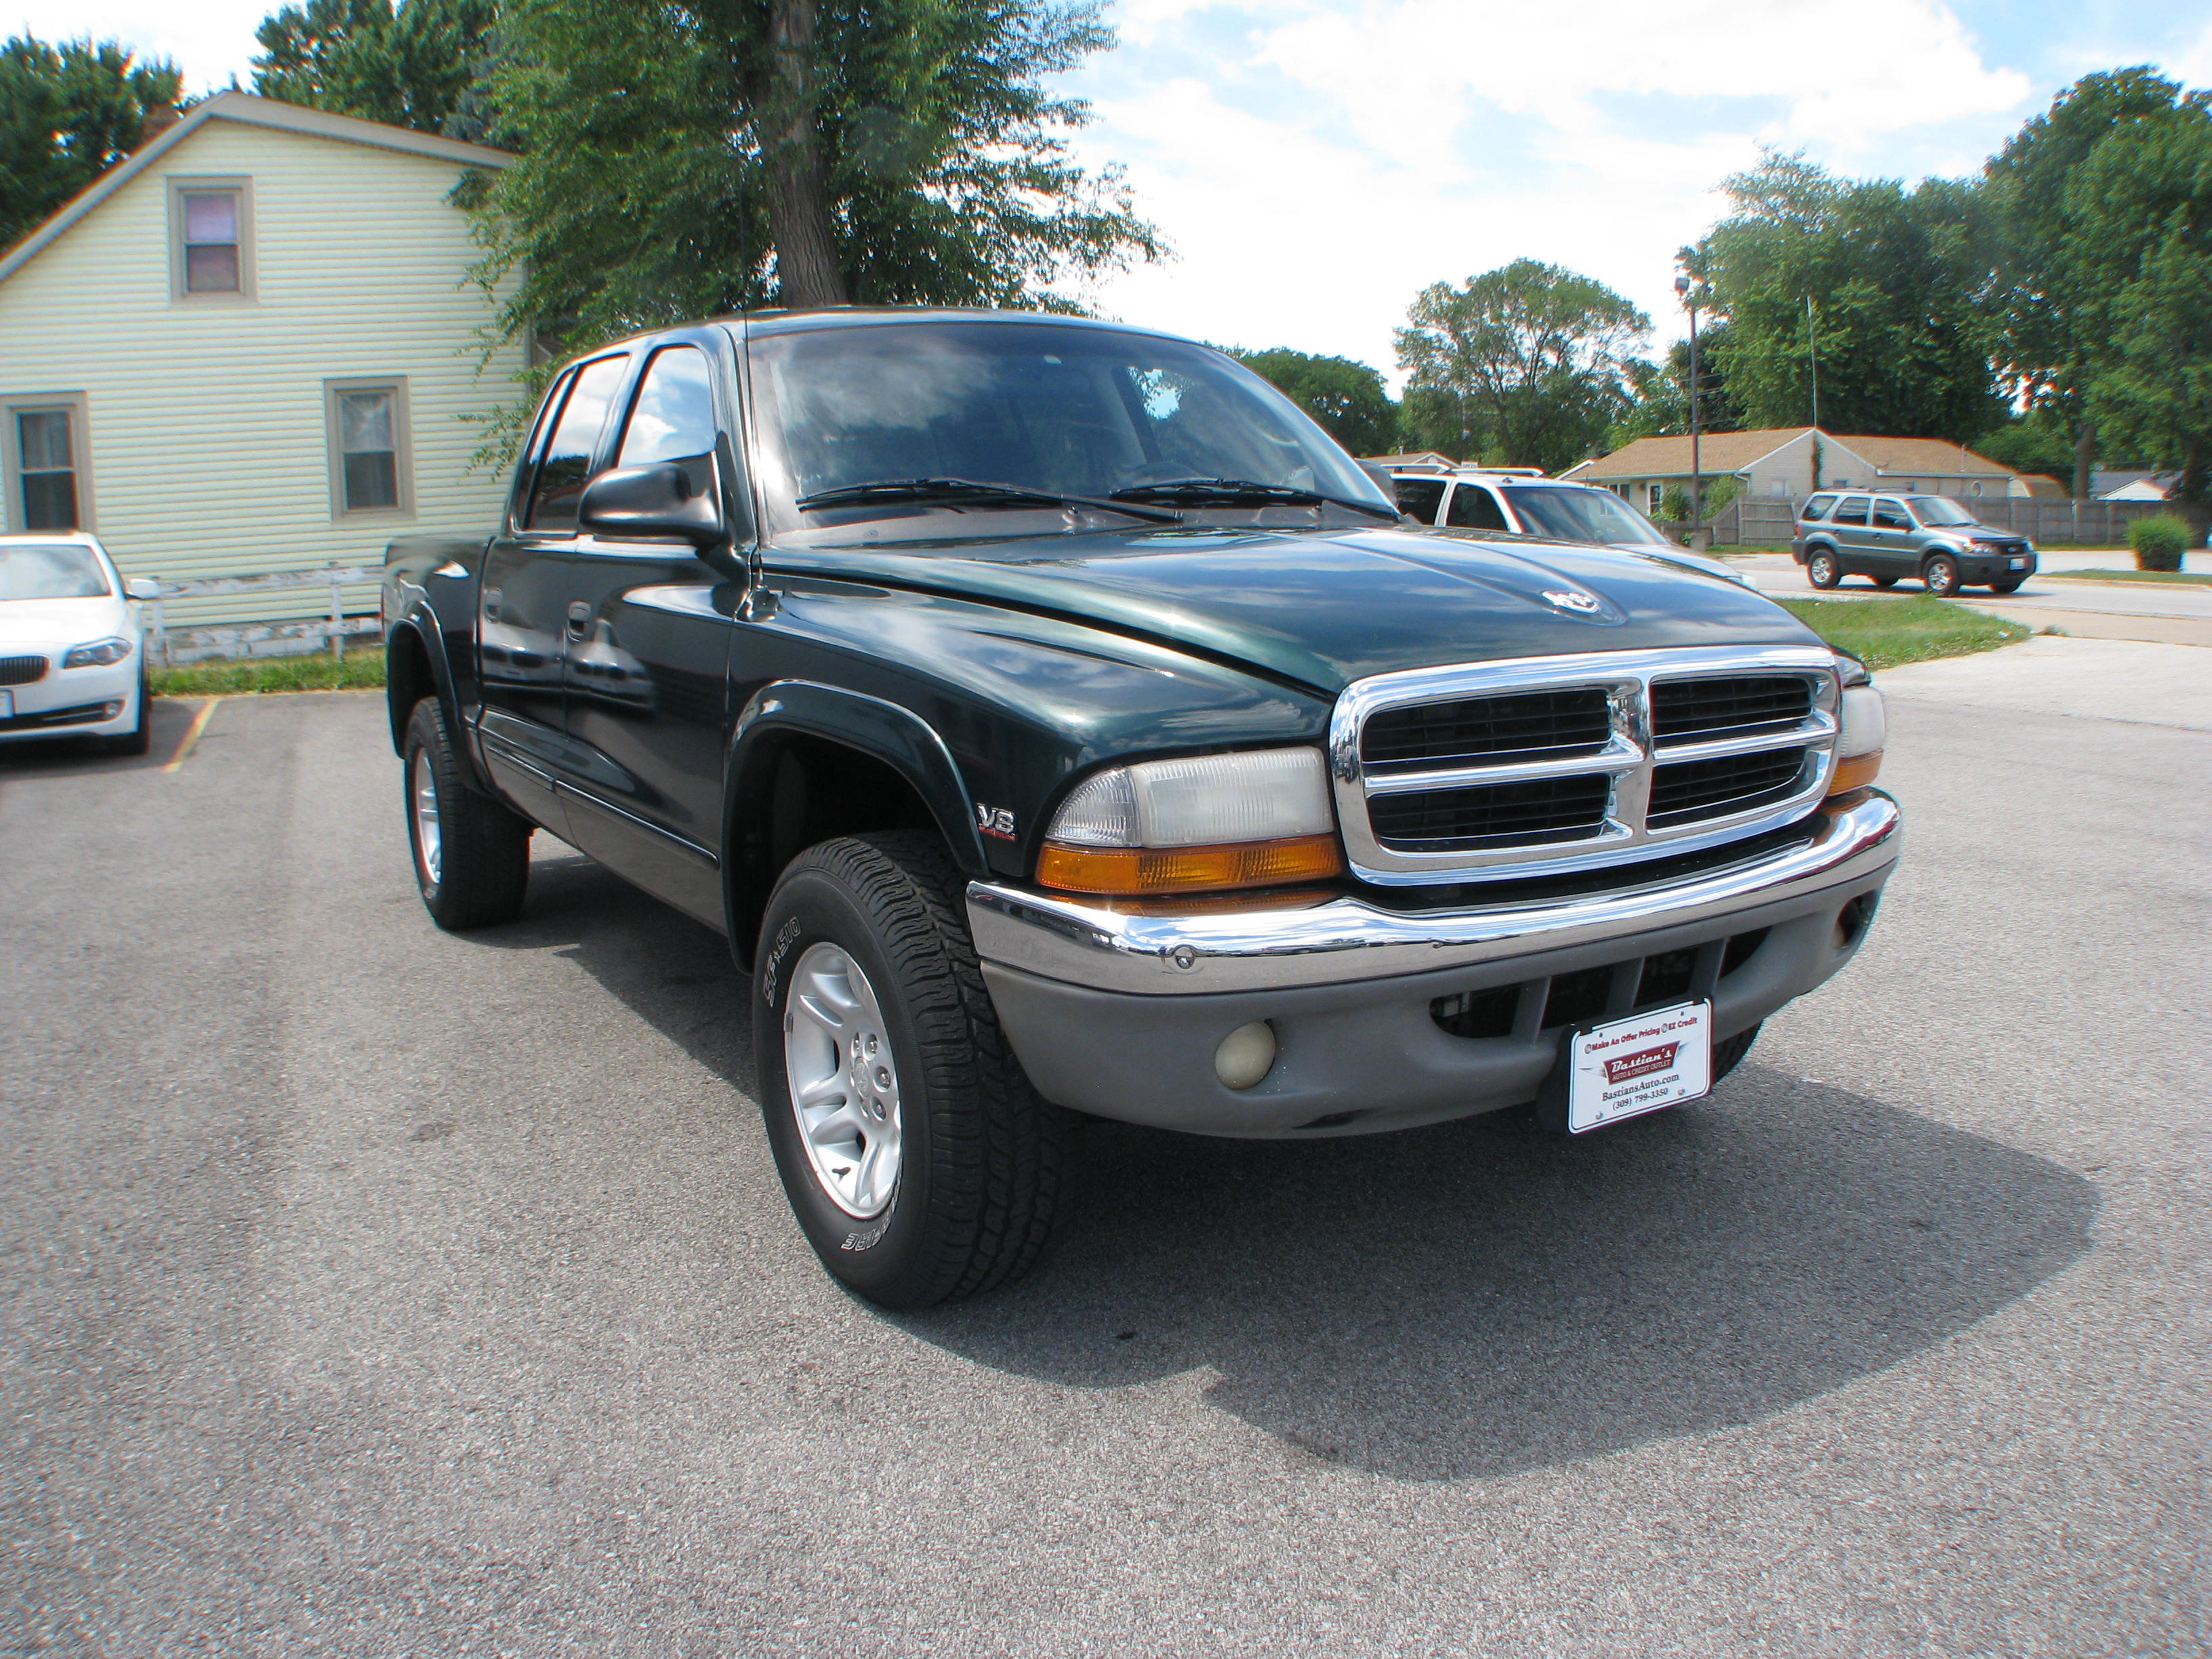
{"type": "Point", "coordinates": [376, 1292]}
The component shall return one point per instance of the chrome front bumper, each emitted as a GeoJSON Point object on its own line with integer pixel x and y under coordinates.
{"type": "Point", "coordinates": [1348, 939]}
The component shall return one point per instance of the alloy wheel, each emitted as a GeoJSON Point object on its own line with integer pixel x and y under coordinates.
{"type": "Point", "coordinates": [842, 1081]}
{"type": "Point", "coordinates": [423, 794]}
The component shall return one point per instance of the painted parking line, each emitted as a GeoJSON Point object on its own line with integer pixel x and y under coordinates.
{"type": "Point", "coordinates": [192, 735]}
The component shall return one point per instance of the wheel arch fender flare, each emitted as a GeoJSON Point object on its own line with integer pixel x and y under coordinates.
{"type": "Point", "coordinates": [414, 649]}
{"type": "Point", "coordinates": [871, 727]}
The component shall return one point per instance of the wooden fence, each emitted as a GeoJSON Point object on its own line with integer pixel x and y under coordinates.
{"type": "Point", "coordinates": [1769, 520]}
{"type": "Point", "coordinates": [235, 639]}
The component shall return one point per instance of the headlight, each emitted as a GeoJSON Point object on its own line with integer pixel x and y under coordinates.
{"type": "Point", "coordinates": [98, 654]}
{"type": "Point", "coordinates": [1258, 819]}
{"type": "Point", "coordinates": [1861, 729]}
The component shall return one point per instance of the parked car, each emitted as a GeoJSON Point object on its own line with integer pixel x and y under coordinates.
{"type": "Point", "coordinates": [1522, 502]}
{"type": "Point", "coordinates": [72, 652]}
{"type": "Point", "coordinates": [1932, 538]}
{"type": "Point", "coordinates": [1057, 722]}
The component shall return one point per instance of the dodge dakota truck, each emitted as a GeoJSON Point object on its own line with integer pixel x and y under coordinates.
{"type": "Point", "coordinates": [1059, 725]}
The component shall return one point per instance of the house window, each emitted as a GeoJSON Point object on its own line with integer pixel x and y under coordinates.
{"type": "Point", "coordinates": [45, 475]}
{"type": "Point", "coordinates": [210, 239]}
{"type": "Point", "coordinates": [367, 421]}
{"type": "Point", "coordinates": [1656, 491]}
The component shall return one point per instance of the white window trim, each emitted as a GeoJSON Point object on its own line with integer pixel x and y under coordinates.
{"type": "Point", "coordinates": [403, 428]}
{"type": "Point", "coordinates": [248, 283]}
{"type": "Point", "coordinates": [11, 452]}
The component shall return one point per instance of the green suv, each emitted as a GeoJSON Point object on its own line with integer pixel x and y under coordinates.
{"type": "Point", "coordinates": [1931, 538]}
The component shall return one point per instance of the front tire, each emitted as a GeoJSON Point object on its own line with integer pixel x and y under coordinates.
{"type": "Point", "coordinates": [2012, 586]}
{"type": "Point", "coordinates": [1885, 582]}
{"type": "Point", "coordinates": [472, 853]}
{"type": "Point", "coordinates": [1728, 1052]}
{"type": "Point", "coordinates": [1940, 574]}
{"type": "Point", "coordinates": [140, 738]}
{"type": "Point", "coordinates": [919, 1164]}
{"type": "Point", "coordinates": [1822, 570]}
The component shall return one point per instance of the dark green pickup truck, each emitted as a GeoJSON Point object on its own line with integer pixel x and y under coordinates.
{"type": "Point", "coordinates": [1059, 725]}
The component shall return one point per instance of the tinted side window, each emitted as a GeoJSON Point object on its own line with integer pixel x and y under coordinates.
{"type": "Point", "coordinates": [1818, 508]}
{"type": "Point", "coordinates": [567, 460]}
{"type": "Point", "coordinates": [1473, 507]}
{"type": "Point", "coordinates": [1852, 511]}
{"type": "Point", "coordinates": [673, 418]}
{"type": "Point", "coordinates": [1890, 515]}
{"type": "Point", "coordinates": [1419, 496]}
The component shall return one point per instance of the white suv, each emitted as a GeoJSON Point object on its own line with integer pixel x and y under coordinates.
{"type": "Point", "coordinates": [1521, 501]}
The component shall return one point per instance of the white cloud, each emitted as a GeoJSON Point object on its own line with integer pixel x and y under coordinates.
{"type": "Point", "coordinates": [210, 40]}
{"type": "Point", "coordinates": [1313, 223]}
{"type": "Point", "coordinates": [2192, 65]}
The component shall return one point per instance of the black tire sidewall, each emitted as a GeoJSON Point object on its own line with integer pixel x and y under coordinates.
{"type": "Point", "coordinates": [1814, 566]}
{"type": "Point", "coordinates": [887, 1257]}
{"type": "Point", "coordinates": [425, 742]}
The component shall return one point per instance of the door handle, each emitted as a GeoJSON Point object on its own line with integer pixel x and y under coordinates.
{"type": "Point", "coordinates": [580, 617]}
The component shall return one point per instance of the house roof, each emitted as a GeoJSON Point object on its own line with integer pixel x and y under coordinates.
{"type": "Point", "coordinates": [246, 110]}
{"type": "Point", "coordinates": [1735, 451]}
{"type": "Point", "coordinates": [2042, 484]}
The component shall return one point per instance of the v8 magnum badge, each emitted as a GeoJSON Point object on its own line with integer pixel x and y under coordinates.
{"type": "Point", "coordinates": [1572, 599]}
{"type": "Point", "coordinates": [996, 821]}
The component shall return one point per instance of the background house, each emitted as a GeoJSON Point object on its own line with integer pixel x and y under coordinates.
{"type": "Point", "coordinates": [250, 348]}
{"type": "Point", "coordinates": [2132, 486]}
{"type": "Point", "coordinates": [1792, 462]}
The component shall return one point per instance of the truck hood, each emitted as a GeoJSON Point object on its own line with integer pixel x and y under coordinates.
{"type": "Point", "coordinates": [1324, 608]}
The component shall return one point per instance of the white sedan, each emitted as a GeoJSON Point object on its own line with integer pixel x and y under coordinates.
{"type": "Point", "coordinates": [72, 653]}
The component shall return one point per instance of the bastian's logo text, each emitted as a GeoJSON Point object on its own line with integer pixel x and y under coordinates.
{"type": "Point", "coordinates": [1570, 600]}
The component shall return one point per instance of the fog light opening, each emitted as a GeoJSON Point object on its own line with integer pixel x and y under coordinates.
{"type": "Point", "coordinates": [1852, 921]}
{"type": "Point", "coordinates": [1246, 1055]}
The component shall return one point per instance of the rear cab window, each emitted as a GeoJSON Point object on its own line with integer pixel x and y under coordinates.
{"type": "Point", "coordinates": [565, 466]}
{"type": "Point", "coordinates": [1852, 509]}
{"type": "Point", "coordinates": [1473, 507]}
{"type": "Point", "coordinates": [1889, 514]}
{"type": "Point", "coordinates": [1419, 496]}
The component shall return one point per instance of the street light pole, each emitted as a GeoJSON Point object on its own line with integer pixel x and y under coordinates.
{"type": "Point", "coordinates": [1697, 458]}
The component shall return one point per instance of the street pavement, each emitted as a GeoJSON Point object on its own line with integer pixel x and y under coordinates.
{"type": "Point", "coordinates": [371, 1290]}
{"type": "Point", "coordinates": [2174, 613]}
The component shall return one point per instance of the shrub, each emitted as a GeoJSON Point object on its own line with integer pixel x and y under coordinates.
{"type": "Point", "coordinates": [1717, 493]}
{"type": "Point", "coordinates": [2159, 542]}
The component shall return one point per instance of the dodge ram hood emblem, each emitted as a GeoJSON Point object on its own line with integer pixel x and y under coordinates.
{"type": "Point", "coordinates": [1581, 604]}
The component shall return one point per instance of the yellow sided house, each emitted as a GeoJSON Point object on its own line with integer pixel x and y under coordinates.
{"type": "Point", "coordinates": [253, 348]}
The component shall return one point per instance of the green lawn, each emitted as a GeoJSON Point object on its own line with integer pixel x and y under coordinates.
{"type": "Point", "coordinates": [362, 668]}
{"type": "Point", "coordinates": [1888, 632]}
{"type": "Point", "coordinates": [2129, 576]}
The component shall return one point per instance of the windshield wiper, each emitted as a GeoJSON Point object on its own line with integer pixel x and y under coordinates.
{"type": "Point", "coordinates": [952, 491]}
{"type": "Point", "coordinates": [1244, 489]}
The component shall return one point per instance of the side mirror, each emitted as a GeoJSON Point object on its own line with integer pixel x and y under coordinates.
{"type": "Point", "coordinates": [142, 587]}
{"type": "Point", "coordinates": [657, 500]}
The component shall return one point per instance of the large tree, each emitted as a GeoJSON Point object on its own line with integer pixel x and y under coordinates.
{"type": "Point", "coordinates": [1346, 399]}
{"type": "Point", "coordinates": [1660, 392]}
{"type": "Point", "coordinates": [1892, 277]}
{"type": "Point", "coordinates": [2139, 241]}
{"type": "Point", "coordinates": [2041, 298]}
{"type": "Point", "coordinates": [67, 113]}
{"type": "Point", "coordinates": [679, 160]}
{"type": "Point", "coordinates": [411, 67]}
{"type": "Point", "coordinates": [1523, 366]}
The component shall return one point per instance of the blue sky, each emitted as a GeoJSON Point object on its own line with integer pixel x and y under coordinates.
{"type": "Point", "coordinates": [1315, 162]}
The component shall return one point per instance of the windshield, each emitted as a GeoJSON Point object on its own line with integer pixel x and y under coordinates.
{"type": "Point", "coordinates": [1938, 509]}
{"type": "Point", "coordinates": [1068, 410]}
{"type": "Point", "coordinates": [51, 570]}
{"type": "Point", "coordinates": [1567, 513]}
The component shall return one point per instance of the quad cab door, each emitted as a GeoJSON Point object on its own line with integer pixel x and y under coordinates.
{"type": "Point", "coordinates": [521, 625]}
{"type": "Point", "coordinates": [1852, 554]}
{"type": "Point", "coordinates": [648, 631]}
{"type": "Point", "coordinates": [1892, 539]}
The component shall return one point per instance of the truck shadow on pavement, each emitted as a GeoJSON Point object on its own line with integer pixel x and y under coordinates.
{"type": "Point", "coordinates": [1468, 1301]}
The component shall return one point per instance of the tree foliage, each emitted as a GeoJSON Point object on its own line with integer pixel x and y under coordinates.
{"type": "Point", "coordinates": [1346, 399]}
{"type": "Point", "coordinates": [2042, 296]}
{"type": "Point", "coordinates": [1894, 278]}
{"type": "Point", "coordinates": [412, 68]}
{"type": "Point", "coordinates": [68, 111]}
{"type": "Point", "coordinates": [680, 160]}
{"type": "Point", "coordinates": [1523, 366]}
{"type": "Point", "coordinates": [1659, 393]}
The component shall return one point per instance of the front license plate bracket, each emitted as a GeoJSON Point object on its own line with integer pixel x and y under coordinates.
{"type": "Point", "coordinates": [1612, 1070]}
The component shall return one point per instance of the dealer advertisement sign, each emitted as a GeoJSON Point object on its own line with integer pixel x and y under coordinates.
{"type": "Point", "coordinates": [1660, 1058]}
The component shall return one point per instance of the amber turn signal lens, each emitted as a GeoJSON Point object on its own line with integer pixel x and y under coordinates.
{"type": "Point", "coordinates": [1131, 871]}
{"type": "Point", "coordinates": [1856, 773]}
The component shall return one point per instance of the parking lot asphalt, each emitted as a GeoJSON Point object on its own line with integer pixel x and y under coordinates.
{"type": "Point", "coordinates": [371, 1290]}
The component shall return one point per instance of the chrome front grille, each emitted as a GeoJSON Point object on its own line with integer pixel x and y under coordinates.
{"type": "Point", "coordinates": [1550, 763]}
